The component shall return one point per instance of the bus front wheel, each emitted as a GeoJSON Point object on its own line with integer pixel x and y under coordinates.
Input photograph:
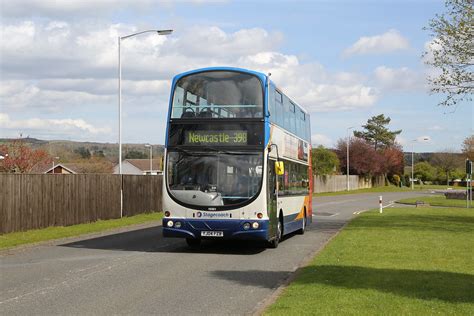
{"type": "Point", "coordinates": [302, 229]}
{"type": "Point", "coordinates": [274, 243]}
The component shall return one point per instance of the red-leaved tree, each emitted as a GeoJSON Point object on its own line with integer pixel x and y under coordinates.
{"type": "Point", "coordinates": [366, 161]}
{"type": "Point", "coordinates": [19, 157]}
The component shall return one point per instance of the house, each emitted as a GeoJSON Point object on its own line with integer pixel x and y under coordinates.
{"type": "Point", "coordinates": [139, 166]}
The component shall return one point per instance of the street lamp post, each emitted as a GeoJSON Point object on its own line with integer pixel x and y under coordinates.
{"type": "Point", "coordinates": [347, 157]}
{"type": "Point", "coordinates": [151, 157]}
{"type": "Point", "coordinates": [120, 38]}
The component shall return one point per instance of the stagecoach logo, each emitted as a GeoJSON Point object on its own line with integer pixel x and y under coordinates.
{"type": "Point", "coordinates": [213, 215]}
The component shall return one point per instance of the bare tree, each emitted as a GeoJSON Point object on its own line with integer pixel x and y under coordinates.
{"type": "Point", "coordinates": [468, 147]}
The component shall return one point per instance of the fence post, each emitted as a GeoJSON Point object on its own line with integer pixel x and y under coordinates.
{"type": "Point", "coordinates": [380, 205]}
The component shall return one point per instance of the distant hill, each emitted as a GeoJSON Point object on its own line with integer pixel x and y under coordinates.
{"type": "Point", "coordinates": [71, 150]}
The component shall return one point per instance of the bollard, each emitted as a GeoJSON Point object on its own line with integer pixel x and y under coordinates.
{"type": "Point", "coordinates": [380, 204]}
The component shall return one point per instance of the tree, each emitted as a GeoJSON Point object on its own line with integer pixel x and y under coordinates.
{"type": "Point", "coordinates": [468, 147]}
{"type": "Point", "coordinates": [424, 171]}
{"type": "Point", "coordinates": [452, 52]}
{"type": "Point", "coordinates": [393, 160]}
{"type": "Point", "coordinates": [99, 153]}
{"type": "Point", "coordinates": [364, 160]}
{"type": "Point", "coordinates": [94, 165]}
{"type": "Point", "coordinates": [19, 158]}
{"type": "Point", "coordinates": [447, 162]}
{"type": "Point", "coordinates": [324, 161]}
{"type": "Point", "coordinates": [83, 152]}
{"type": "Point", "coordinates": [376, 132]}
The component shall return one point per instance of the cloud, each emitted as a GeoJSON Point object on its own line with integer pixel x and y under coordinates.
{"type": "Point", "coordinates": [69, 125]}
{"type": "Point", "coordinates": [398, 79]}
{"type": "Point", "coordinates": [18, 95]}
{"type": "Point", "coordinates": [50, 65]}
{"type": "Point", "coordinates": [320, 139]}
{"type": "Point", "coordinates": [387, 42]}
{"type": "Point", "coordinates": [401, 140]}
{"type": "Point", "coordinates": [85, 8]}
{"type": "Point", "coordinates": [71, 63]}
{"type": "Point", "coordinates": [311, 85]}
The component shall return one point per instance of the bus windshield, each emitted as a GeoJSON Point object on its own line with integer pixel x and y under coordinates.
{"type": "Point", "coordinates": [214, 178]}
{"type": "Point", "coordinates": [218, 94]}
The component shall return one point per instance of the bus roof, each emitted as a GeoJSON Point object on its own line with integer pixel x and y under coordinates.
{"type": "Point", "coordinates": [260, 75]}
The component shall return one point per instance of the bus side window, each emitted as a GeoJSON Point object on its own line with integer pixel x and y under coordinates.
{"type": "Point", "coordinates": [278, 108]}
{"type": "Point", "coordinates": [300, 120]}
{"type": "Point", "coordinates": [286, 119]}
{"type": "Point", "coordinates": [293, 118]}
{"type": "Point", "coordinates": [271, 104]}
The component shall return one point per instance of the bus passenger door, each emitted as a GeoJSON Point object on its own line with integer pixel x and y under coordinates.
{"type": "Point", "coordinates": [272, 197]}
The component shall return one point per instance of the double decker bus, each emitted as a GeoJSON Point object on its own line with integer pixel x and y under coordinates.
{"type": "Point", "coordinates": [237, 159]}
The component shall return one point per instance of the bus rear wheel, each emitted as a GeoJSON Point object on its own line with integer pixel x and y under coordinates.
{"type": "Point", "coordinates": [193, 242]}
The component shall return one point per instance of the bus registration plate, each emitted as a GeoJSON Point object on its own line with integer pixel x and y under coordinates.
{"type": "Point", "coordinates": [212, 234]}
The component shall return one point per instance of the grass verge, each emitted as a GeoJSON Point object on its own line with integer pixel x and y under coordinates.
{"type": "Point", "coordinates": [37, 235]}
{"type": "Point", "coordinates": [406, 261]}
{"type": "Point", "coordinates": [435, 201]}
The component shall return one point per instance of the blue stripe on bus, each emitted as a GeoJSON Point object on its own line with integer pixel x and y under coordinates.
{"type": "Point", "coordinates": [232, 229]}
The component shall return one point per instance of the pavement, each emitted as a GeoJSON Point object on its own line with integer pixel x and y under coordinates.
{"type": "Point", "coordinates": [140, 272]}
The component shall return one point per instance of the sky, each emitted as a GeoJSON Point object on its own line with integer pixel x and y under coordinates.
{"type": "Point", "coordinates": [344, 61]}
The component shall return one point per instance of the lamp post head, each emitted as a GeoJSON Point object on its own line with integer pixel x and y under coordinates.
{"type": "Point", "coordinates": [164, 32]}
{"type": "Point", "coordinates": [147, 145]}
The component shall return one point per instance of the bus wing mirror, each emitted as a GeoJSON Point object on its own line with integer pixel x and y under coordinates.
{"type": "Point", "coordinates": [279, 168]}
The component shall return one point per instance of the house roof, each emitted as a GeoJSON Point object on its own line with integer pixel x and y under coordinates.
{"type": "Point", "coordinates": [69, 167]}
{"type": "Point", "coordinates": [85, 167]}
{"type": "Point", "coordinates": [144, 164]}
{"type": "Point", "coordinates": [41, 167]}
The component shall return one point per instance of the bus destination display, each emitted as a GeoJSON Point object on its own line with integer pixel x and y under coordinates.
{"type": "Point", "coordinates": [222, 137]}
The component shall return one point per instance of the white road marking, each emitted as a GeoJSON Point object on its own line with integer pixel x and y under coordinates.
{"type": "Point", "coordinates": [388, 205]}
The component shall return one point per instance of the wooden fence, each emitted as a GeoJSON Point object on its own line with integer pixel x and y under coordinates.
{"type": "Point", "coordinates": [141, 194]}
{"type": "Point", "coordinates": [30, 201]}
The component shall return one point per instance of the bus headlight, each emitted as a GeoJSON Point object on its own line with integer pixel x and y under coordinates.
{"type": "Point", "coordinates": [177, 225]}
{"type": "Point", "coordinates": [170, 224]}
{"type": "Point", "coordinates": [247, 226]}
{"type": "Point", "coordinates": [255, 225]}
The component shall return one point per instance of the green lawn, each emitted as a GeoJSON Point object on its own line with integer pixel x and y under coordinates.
{"type": "Point", "coordinates": [406, 261]}
{"type": "Point", "coordinates": [33, 236]}
{"type": "Point", "coordinates": [435, 201]}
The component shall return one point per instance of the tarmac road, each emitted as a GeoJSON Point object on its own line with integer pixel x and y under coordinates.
{"type": "Point", "coordinates": [139, 272]}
